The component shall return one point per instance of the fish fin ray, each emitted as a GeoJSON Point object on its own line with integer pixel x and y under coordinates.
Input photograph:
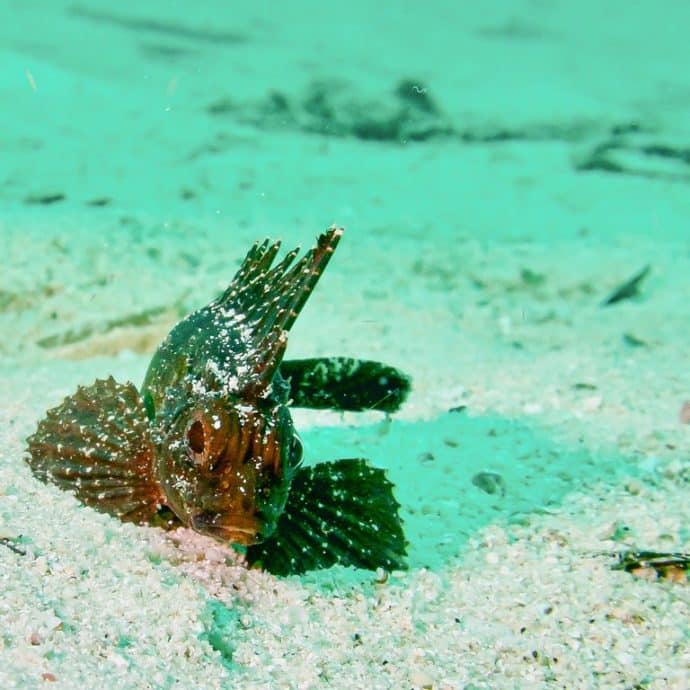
{"type": "Point", "coordinates": [97, 444]}
{"type": "Point", "coordinates": [267, 301]}
{"type": "Point", "coordinates": [340, 512]}
{"type": "Point", "coordinates": [343, 383]}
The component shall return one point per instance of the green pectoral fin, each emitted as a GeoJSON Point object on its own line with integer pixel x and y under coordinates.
{"type": "Point", "coordinates": [342, 383]}
{"type": "Point", "coordinates": [97, 444]}
{"type": "Point", "coordinates": [340, 512]}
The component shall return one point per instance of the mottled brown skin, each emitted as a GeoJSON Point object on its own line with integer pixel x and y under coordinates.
{"type": "Point", "coordinates": [226, 447]}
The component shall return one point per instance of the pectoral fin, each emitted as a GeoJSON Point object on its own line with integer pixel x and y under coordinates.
{"type": "Point", "coordinates": [341, 512]}
{"type": "Point", "coordinates": [97, 444]}
{"type": "Point", "coordinates": [342, 383]}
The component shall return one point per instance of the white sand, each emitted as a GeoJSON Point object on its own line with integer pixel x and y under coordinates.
{"type": "Point", "coordinates": [502, 592]}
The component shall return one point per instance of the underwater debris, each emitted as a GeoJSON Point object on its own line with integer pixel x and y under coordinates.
{"type": "Point", "coordinates": [44, 199]}
{"type": "Point", "coordinates": [99, 201]}
{"type": "Point", "coordinates": [636, 150]}
{"type": "Point", "coordinates": [633, 341]}
{"type": "Point", "coordinates": [658, 564]}
{"type": "Point", "coordinates": [532, 278]}
{"type": "Point", "coordinates": [11, 544]}
{"type": "Point", "coordinates": [584, 386]}
{"type": "Point", "coordinates": [629, 289]}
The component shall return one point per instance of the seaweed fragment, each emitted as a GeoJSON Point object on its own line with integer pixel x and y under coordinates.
{"type": "Point", "coordinates": [629, 289]}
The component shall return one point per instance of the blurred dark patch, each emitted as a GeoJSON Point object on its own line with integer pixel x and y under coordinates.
{"type": "Point", "coordinates": [636, 150]}
{"type": "Point", "coordinates": [416, 95]}
{"type": "Point", "coordinates": [164, 51]}
{"type": "Point", "coordinates": [329, 108]}
{"type": "Point", "coordinates": [407, 113]}
{"type": "Point", "coordinates": [100, 201]}
{"type": "Point", "coordinates": [513, 29]}
{"type": "Point", "coordinates": [159, 27]}
{"type": "Point", "coordinates": [44, 199]}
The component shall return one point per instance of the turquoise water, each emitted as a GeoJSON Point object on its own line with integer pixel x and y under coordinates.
{"type": "Point", "coordinates": [277, 116]}
{"type": "Point", "coordinates": [500, 169]}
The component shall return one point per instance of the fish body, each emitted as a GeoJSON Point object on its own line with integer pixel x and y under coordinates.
{"type": "Point", "coordinates": [208, 441]}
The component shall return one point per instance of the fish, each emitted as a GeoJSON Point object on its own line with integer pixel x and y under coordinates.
{"type": "Point", "coordinates": [208, 441]}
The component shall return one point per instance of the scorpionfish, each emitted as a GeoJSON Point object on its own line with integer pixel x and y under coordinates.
{"type": "Point", "coordinates": [208, 441]}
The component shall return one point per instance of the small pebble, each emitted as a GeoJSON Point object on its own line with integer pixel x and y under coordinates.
{"type": "Point", "coordinates": [381, 576]}
{"type": "Point", "coordinates": [492, 558]}
{"type": "Point", "coordinates": [421, 679]}
{"type": "Point", "coordinates": [633, 487]}
{"type": "Point", "coordinates": [490, 483]}
{"type": "Point", "coordinates": [592, 404]}
{"type": "Point", "coordinates": [673, 469]}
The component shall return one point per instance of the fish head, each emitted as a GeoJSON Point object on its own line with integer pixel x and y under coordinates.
{"type": "Point", "coordinates": [226, 466]}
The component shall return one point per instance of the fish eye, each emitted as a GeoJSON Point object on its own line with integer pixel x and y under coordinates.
{"type": "Point", "coordinates": [196, 437]}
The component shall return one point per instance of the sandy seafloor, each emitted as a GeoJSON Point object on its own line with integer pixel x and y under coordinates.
{"type": "Point", "coordinates": [499, 171]}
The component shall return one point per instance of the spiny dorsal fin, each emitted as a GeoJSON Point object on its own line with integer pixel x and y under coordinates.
{"type": "Point", "coordinates": [267, 301]}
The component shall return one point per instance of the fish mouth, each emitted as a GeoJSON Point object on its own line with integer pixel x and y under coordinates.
{"type": "Point", "coordinates": [237, 529]}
